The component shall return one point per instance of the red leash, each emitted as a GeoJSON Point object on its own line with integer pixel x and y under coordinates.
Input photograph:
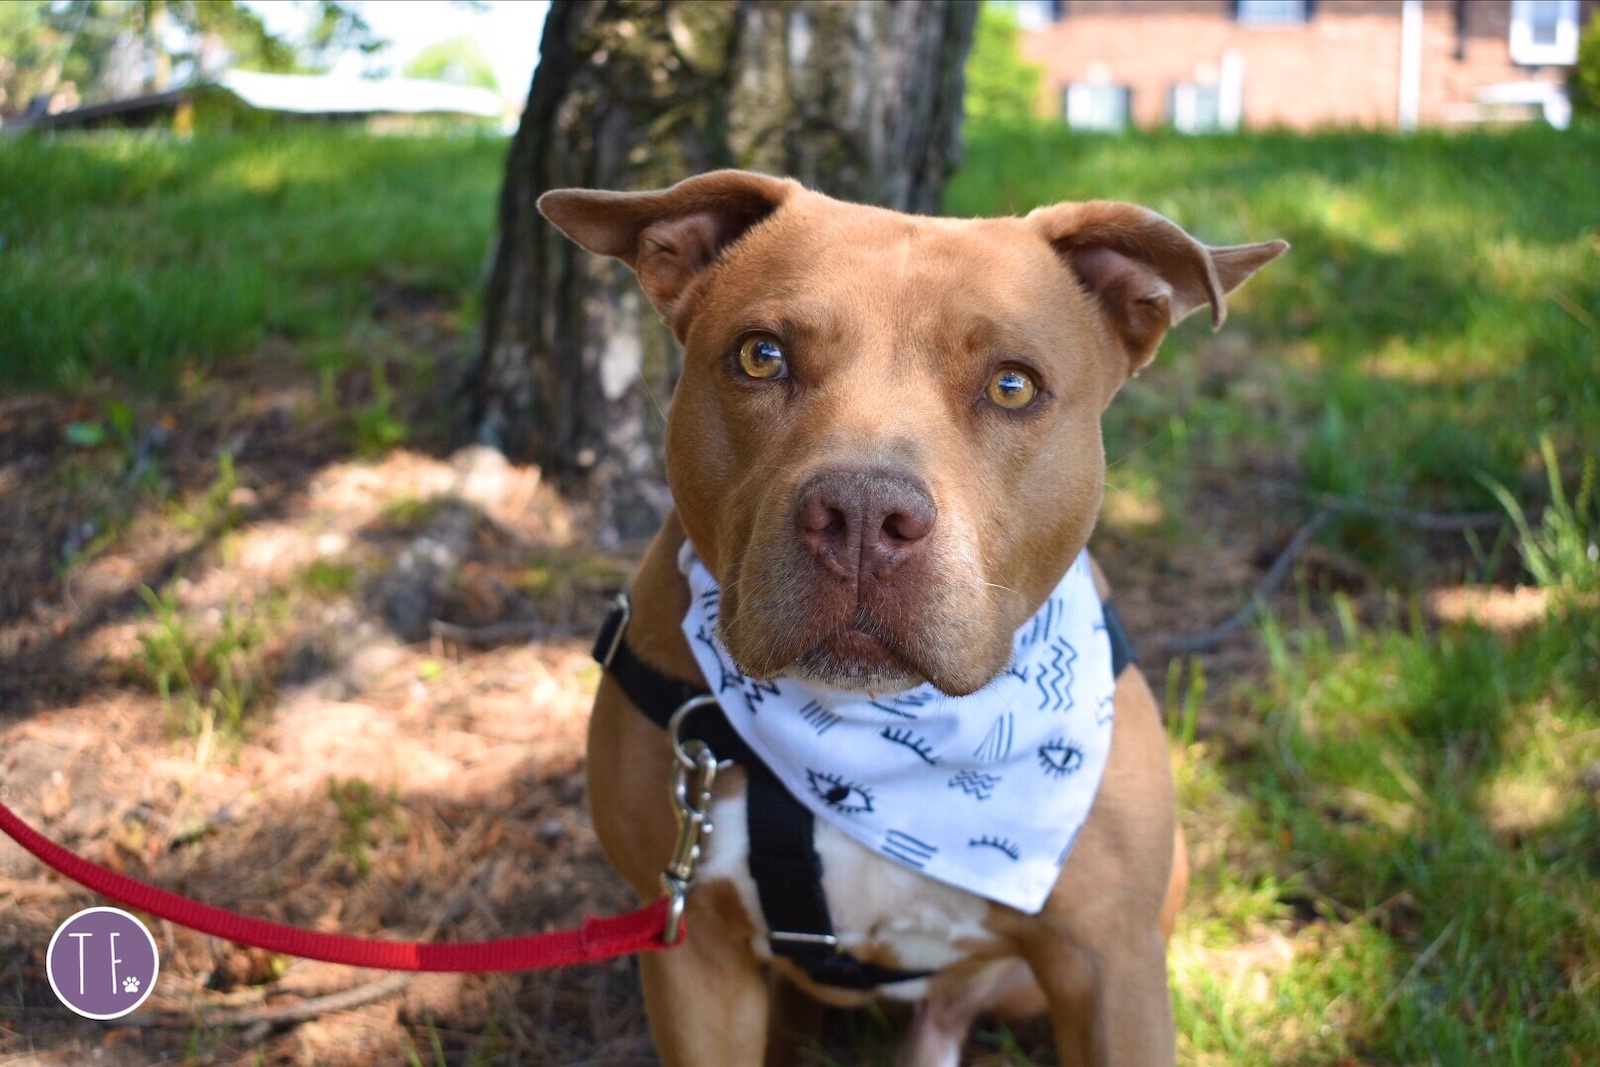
{"type": "Point", "coordinates": [597, 939]}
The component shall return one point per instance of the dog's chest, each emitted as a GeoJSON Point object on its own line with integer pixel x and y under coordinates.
{"type": "Point", "coordinates": [877, 906]}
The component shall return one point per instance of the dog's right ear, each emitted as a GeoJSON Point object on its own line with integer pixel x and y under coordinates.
{"type": "Point", "coordinates": [668, 236]}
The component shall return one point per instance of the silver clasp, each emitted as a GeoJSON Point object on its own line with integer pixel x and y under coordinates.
{"type": "Point", "coordinates": [694, 773]}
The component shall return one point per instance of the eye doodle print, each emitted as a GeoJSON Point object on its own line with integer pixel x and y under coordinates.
{"type": "Point", "coordinates": [999, 844]}
{"type": "Point", "coordinates": [1060, 757]}
{"type": "Point", "coordinates": [845, 797]}
{"type": "Point", "coordinates": [908, 849]}
{"type": "Point", "coordinates": [821, 719]}
{"type": "Point", "coordinates": [996, 744]}
{"type": "Point", "coordinates": [904, 736]}
{"type": "Point", "coordinates": [1054, 678]}
{"type": "Point", "coordinates": [975, 783]}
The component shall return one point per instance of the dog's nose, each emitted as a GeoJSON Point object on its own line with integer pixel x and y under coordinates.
{"type": "Point", "coordinates": [864, 524]}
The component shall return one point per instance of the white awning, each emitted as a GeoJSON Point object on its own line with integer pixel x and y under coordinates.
{"type": "Point", "coordinates": [339, 94]}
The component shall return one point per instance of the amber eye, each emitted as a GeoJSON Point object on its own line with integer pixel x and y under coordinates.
{"type": "Point", "coordinates": [762, 357]}
{"type": "Point", "coordinates": [1012, 389]}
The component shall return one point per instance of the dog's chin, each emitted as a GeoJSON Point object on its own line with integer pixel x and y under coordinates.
{"type": "Point", "coordinates": [855, 660]}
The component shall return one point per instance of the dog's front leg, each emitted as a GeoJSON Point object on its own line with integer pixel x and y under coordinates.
{"type": "Point", "coordinates": [707, 999]}
{"type": "Point", "coordinates": [1109, 1000]}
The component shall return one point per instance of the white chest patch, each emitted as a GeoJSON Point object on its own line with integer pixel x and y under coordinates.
{"type": "Point", "coordinates": [874, 902]}
{"type": "Point", "coordinates": [984, 793]}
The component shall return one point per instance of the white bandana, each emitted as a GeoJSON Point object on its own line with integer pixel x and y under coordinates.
{"type": "Point", "coordinates": [986, 792]}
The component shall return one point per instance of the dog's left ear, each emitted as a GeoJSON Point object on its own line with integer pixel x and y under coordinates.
{"type": "Point", "coordinates": [668, 236]}
{"type": "Point", "coordinates": [1146, 272]}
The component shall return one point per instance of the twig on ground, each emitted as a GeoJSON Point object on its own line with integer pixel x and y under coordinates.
{"type": "Point", "coordinates": [1206, 639]}
{"type": "Point", "coordinates": [283, 1014]}
{"type": "Point", "coordinates": [1418, 520]}
{"type": "Point", "coordinates": [1328, 506]}
{"type": "Point", "coordinates": [1422, 961]}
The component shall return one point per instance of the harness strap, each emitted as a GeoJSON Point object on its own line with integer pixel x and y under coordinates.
{"type": "Point", "coordinates": [1122, 656]}
{"type": "Point", "coordinates": [788, 875]}
{"type": "Point", "coordinates": [783, 861]}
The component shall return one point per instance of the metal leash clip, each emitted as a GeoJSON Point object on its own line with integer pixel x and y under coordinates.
{"type": "Point", "coordinates": [694, 773]}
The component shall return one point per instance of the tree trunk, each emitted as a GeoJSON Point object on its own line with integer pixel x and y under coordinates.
{"type": "Point", "coordinates": [861, 100]}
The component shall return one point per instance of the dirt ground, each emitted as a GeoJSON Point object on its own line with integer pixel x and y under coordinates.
{"type": "Point", "coordinates": [402, 639]}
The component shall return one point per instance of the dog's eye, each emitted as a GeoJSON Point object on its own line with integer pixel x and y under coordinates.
{"type": "Point", "coordinates": [762, 357]}
{"type": "Point", "coordinates": [1012, 389]}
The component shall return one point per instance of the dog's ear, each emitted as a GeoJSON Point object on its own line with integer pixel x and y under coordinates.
{"type": "Point", "coordinates": [668, 235]}
{"type": "Point", "coordinates": [1146, 272]}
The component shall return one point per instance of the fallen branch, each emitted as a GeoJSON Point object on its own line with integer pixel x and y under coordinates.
{"type": "Point", "coordinates": [1328, 507]}
{"type": "Point", "coordinates": [283, 1014]}
{"type": "Point", "coordinates": [1206, 639]}
{"type": "Point", "coordinates": [1419, 520]}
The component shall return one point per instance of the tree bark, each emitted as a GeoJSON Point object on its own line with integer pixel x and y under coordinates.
{"type": "Point", "coordinates": [861, 100]}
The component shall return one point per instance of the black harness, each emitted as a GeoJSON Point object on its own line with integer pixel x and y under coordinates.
{"type": "Point", "coordinates": [783, 860]}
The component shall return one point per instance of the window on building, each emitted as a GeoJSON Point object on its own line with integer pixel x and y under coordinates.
{"type": "Point", "coordinates": [1544, 32]}
{"type": "Point", "coordinates": [1197, 108]}
{"type": "Point", "coordinates": [1272, 12]}
{"type": "Point", "coordinates": [1032, 14]}
{"type": "Point", "coordinates": [1098, 106]}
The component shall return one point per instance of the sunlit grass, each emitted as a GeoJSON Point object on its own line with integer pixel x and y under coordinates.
{"type": "Point", "coordinates": [1473, 258]}
{"type": "Point", "coordinates": [137, 257]}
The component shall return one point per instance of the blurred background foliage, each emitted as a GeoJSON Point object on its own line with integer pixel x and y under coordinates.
{"type": "Point", "coordinates": [1583, 85]}
{"type": "Point", "coordinates": [92, 50]}
{"type": "Point", "coordinates": [1002, 87]}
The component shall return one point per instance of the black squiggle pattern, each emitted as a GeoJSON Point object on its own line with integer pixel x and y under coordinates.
{"type": "Point", "coordinates": [1055, 678]}
{"type": "Point", "coordinates": [975, 783]}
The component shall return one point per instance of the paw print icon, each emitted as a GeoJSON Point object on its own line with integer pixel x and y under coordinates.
{"type": "Point", "coordinates": [102, 963]}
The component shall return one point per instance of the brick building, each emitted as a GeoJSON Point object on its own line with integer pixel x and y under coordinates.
{"type": "Point", "coordinates": [1205, 65]}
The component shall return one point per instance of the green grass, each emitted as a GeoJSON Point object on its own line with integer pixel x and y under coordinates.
{"type": "Point", "coordinates": [1397, 851]}
{"type": "Point", "coordinates": [1396, 845]}
{"type": "Point", "coordinates": [140, 257]}
{"type": "Point", "coordinates": [1437, 285]}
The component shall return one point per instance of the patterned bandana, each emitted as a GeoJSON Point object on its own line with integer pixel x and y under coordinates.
{"type": "Point", "coordinates": [985, 792]}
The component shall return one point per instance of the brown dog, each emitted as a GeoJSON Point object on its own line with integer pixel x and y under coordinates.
{"type": "Point", "coordinates": [943, 381]}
